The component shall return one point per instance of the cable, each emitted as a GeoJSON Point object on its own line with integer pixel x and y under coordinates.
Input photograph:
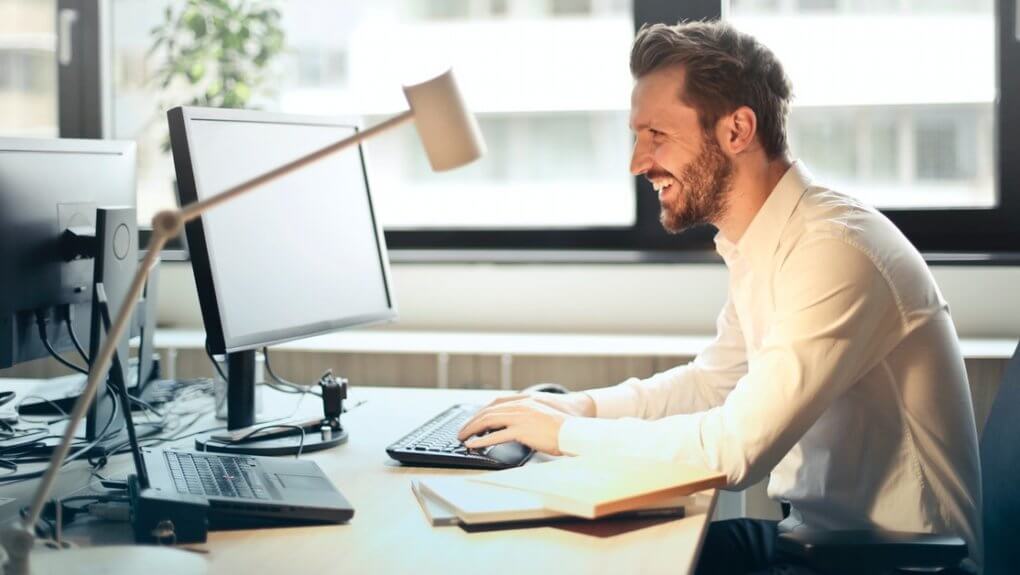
{"type": "Point", "coordinates": [216, 364]}
{"type": "Point", "coordinates": [40, 321]}
{"type": "Point", "coordinates": [301, 445]}
{"type": "Point", "coordinates": [167, 428]}
{"type": "Point", "coordinates": [53, 404]}
{"type": "Point", "coordinates": [74, 336]}
{"type": "Point", "coordinates": [146, 405]}
{"type": "Point", "coordinates": [293, 387]}
{"type": "Point", "coordinates": [77, 454]}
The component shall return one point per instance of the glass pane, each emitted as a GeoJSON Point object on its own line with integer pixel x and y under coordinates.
{"type": "Point", "coordinates": [548, 79]}
{"type": "Point", "coordinates": [28, 68]}
{"type": "Point", "coordinates": [875, 111]}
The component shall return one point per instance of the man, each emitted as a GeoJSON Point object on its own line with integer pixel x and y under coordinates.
{"type": "Point", "coordinates": [836, 368]}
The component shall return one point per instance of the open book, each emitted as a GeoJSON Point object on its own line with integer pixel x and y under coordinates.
{"type": "Point", "coordinates": [452, 500]}
{"type": "Point", "coordinates": [595, 486]}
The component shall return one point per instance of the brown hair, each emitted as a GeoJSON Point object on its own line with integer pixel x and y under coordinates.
{"type": "Point", "coordinates": [725, 69]}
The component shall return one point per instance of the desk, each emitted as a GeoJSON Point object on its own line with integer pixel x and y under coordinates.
{"type": "Point", "coordinates": [390, 535]}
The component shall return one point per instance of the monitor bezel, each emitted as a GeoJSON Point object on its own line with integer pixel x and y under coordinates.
{"type": "Point", "coordinates": [18, 343]}
{"type": "Point", "coordinates": [180, 119]}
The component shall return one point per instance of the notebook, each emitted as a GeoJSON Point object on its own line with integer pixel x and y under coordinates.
{"type": "Point", "coordinates": [458, 500]}
{"type": "Point", "coordinates": [435, 512]}
{"type": "Point", "coordinates": [595, 486]}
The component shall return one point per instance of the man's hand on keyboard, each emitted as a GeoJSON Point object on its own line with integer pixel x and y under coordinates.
{"type": "Point", "coordinates": [576, 403]}
{"type": "Point", "coordinates": [524, 418]}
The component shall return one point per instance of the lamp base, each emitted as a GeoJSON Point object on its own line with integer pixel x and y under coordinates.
{"type": "Point", "coordinates": [118, 560]}
{"type": "Point", "coordinates": [23, 559]}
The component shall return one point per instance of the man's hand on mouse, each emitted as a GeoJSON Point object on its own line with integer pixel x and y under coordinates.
{"type": "Point", "coordinates": [531, 419]}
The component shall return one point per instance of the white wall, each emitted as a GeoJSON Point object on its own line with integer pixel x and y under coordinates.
{"type": "Point", "coordinates": [624, 298]}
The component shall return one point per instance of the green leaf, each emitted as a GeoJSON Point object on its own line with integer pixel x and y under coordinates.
{"type": "Point", "coordinates": [214, 89]}
{"type": "Point", "coordinates": [155, 45]}
{"type": "Point", "coordinates": [196, 72]}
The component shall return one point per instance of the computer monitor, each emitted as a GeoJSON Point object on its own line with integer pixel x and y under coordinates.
{"type": "Point", "coordinates": [48, 187]}
{"type": "Point", "coordinates": [303, 256]}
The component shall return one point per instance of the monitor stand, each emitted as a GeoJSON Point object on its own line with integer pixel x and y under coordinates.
{"type": "Point", "coordinates": [241, 414]}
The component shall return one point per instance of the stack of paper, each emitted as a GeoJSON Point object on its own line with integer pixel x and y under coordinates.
{"type": "Point", "coordinates": [460, 501]}
{"type": "Point", "coordinates": [595, 486]}
{"type": "Point", "coordinates": [566, 488]}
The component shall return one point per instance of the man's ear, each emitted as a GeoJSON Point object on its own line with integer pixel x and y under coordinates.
{"type": "Point", "coordinates": [738, 130]}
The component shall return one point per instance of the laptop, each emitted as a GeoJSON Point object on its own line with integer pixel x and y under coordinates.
{"type": "Point", "coordinates": [245, 491]}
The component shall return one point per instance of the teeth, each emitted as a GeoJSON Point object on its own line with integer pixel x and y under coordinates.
{"type": "Point", "coordinates": [660, 184]}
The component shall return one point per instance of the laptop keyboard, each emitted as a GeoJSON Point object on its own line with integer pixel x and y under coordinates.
{"type": "Point", "coordinates": [216, 475]}
{"type": "Point", "coordinates": [435, 443]}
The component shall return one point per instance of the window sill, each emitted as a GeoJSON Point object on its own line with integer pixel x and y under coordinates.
{"type": "Point", "coordinates": [560, 257]}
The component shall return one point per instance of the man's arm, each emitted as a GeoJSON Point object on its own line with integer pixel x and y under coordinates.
{"type": "Point", "coordinates": [835, 318]}
{"type": "Point", "coordinates": [701, 384]}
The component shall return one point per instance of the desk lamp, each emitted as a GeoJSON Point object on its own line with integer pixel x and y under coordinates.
{"type": "Point", "coordinates": [451, 139]}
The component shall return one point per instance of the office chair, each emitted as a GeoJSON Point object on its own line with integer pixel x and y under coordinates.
{"type": "Point", "coordinates": [888, 551]}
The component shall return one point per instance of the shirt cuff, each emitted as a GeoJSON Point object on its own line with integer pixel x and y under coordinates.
{"type": "Point", "coordinates": [616, 401]}
{"type": "Point", "coordinates": [585, 436]}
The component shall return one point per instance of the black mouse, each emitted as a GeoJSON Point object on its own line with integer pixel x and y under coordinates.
{"type": "Point", "coordinates": [546, 388]}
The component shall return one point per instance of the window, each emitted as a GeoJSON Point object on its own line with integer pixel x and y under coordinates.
{"type": "Point", "coordinates": [912, 105]}
{"type": "Point", "coordinates": [28, 68]}
{"type": "Point", "coordinates": [922, 92]}
{"type": "Point", "coordinates": [548, 80]}
{"type": "Point", "coordinates": [874, 73]}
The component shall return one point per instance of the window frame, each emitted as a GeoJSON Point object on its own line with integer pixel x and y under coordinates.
{"type": "Point", "coordinates": [964, 235]}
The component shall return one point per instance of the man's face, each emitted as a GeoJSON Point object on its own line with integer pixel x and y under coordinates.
{"type": "Point", "coordinates": [683, 162]}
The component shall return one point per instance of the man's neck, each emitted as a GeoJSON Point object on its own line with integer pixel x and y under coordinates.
{"type": "Point", "coordinates": [753, 183]}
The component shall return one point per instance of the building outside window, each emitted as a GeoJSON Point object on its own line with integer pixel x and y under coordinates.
{"type": "Point", "coordinates": [548, 80]}
{"type": "Point", "coordinates": [894, 102]}
{"type": "Point", "coordinates": [894, 99]}
{"type": "Point", "coordinates": [28, 68]}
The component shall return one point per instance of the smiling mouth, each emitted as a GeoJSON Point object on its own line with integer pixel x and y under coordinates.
{"type": "Point", "coordinates": [663, 186]}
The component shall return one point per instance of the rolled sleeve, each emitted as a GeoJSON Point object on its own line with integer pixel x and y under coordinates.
{"type": "Point", "coordinates": [617, 401]}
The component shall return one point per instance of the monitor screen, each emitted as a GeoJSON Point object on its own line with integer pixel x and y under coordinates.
{"type": "Point", "coordinates": [299, 256]}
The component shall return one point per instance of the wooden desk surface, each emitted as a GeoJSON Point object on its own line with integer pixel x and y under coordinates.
{"type": "Point", "coordinates": [389, 533]}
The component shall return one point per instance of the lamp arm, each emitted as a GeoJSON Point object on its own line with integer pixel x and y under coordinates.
{"type": "Point", "coordinates": [166, 225]}
{"type": "Point", "coordinates": [191, 211]}
{"type": "Point", "coordinates": [100, 367]}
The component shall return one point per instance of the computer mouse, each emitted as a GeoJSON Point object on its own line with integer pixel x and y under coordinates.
{"type": "Point", "coordinates": [546, 388]}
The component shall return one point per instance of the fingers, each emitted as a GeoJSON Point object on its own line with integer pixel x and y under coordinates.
{"type": "Point", "coordinates": [501, 436]}
{"type": "Point", "coordinates": [471, 427]}
{"type": "Point", "coordinates": [481, 422]}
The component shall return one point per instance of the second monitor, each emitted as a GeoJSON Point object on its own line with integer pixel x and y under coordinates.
{"type": "Point", "coordinates": [303, 257]}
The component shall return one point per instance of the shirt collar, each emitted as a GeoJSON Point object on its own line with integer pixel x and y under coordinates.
{"type": "Point", "coordinates": [762, 235]}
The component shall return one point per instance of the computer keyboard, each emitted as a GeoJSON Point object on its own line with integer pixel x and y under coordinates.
{"type": "Point", "coordinates": [215, 475]}
{"type": "Point", "coordinates": [435, 443]}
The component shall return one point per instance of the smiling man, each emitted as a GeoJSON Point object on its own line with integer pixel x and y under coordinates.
{"type": "Point", "coordinates": [836, 370]}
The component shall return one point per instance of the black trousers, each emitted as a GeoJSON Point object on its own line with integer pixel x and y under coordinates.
{"type": "Point", "coordinates": [748, 546]}
{"type": "Point", "coordinates": [745, 546]}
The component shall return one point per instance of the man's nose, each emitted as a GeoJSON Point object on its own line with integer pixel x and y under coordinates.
{"type": "Point", "coordinates": [641, 159]}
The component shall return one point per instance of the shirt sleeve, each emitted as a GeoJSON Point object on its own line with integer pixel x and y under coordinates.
{"type": "Point", "coordinates": [833, 319]}
{"type": "Point", "coordinates": [696, 386]}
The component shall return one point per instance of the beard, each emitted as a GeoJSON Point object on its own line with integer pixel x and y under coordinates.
{"type": "Point", "coordinates": [701, 191]}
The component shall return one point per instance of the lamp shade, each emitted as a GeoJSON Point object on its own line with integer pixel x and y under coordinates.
{"type": "Point", "coordinates": [447, 129]}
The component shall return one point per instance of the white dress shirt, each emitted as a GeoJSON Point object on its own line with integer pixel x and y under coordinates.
{"type": "Point", "coordinates": [836, 368]}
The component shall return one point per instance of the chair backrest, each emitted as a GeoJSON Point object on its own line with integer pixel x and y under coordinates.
{"type": "Point", "coordinates": [1000, 471]}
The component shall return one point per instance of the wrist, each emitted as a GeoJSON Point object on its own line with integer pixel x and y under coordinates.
{"type": "Point", "coordinates": [584, 405]}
